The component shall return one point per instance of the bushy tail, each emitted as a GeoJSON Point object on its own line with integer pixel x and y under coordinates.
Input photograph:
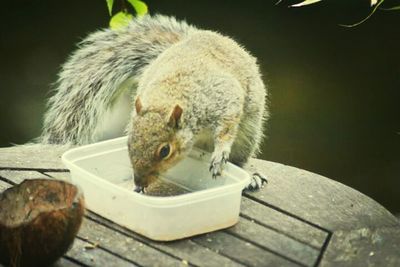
{"type": "Point", "coordinates": [93, 74]}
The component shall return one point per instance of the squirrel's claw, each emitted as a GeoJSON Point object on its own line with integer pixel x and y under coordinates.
{"type": "Point", "coordinates": [257, 182]}
{"type": "Point", "coordinates": [217, 164]}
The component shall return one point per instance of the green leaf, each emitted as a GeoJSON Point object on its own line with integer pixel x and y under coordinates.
{"type": "Point", "coordinates": [110, 4]}
{"type": "Point", "coordinates": [139, 6]}
{"type": "Point", "coordinates": [306, 3]}
{"type": "Point", "coordinates": [120, 20]}
{"type": "Point", "coordinates": [391, 8]}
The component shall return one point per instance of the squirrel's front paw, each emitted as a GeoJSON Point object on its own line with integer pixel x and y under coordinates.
{"type": "Point", "coordinates": [217, 163]}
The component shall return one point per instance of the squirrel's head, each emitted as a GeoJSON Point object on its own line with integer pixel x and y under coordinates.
{"type": "Point", "coordinates": [155, 143]}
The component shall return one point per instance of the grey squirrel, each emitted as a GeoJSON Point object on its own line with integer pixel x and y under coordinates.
{"type": "Point", "coordinates": [169, 86]}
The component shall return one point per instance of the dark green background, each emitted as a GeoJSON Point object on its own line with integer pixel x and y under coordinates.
{"type": "Point", "coordinates": [334, 91]}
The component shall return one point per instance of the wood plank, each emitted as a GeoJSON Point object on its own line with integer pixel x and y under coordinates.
{"type": "Point", "coordinates": [4, 186]}
{"type": "Point", "coordinates": [185, 249]}
{"type": "Point", "coordinates": [272, 240]}
{"type": "Point", "coordinates": [242, 251]}
{"type": "Point", "coordinates": [64, 262]}
{"type": "Point", "coordinates": [33, 156]}
{"type": "Point", "coordinates": [317, 199]}
{"type": "Point", "coordinates": [125, 246]}
{"type": "Point", "coordinates": [65, 176]}
{"type": "Point", "coordinates": [17, 176]}
{"type": "Point", "coordinates": [283, 223]}
{"type": "Point", "coordinates": [95, 257]}
{"type": "Point", "coordinates": [364, 247]}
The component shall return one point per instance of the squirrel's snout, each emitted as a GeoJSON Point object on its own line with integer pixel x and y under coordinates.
{"type": "Point", "coordinates": [140, 181]}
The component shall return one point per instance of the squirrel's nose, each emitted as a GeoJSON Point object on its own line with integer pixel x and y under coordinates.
{"type": "Point", "coordinates": [140, 181]}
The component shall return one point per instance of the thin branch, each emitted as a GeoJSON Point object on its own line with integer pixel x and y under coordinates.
{"type": "Point", "coordinates": [365, 19]}
{"type": "Point", "coordinates": [390, 8]}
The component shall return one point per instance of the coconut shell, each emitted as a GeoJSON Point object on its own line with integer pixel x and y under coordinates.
{"type": "Point", "coordinates": [39, 220]}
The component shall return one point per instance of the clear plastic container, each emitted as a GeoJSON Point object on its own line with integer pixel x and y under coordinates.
{"type": "Point", "coordinates": [103, 171]}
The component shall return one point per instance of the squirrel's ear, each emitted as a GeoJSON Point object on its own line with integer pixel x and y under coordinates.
{"type": "Point", "coordinates": [175, 117]}
{"type": "Point", "coordinates": [138, 105]}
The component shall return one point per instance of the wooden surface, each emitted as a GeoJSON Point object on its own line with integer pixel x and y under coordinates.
{"type": "Point", "coordinates": [298, 219]}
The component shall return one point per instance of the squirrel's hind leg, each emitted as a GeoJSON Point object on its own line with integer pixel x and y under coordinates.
{"type": "Point", "coordinates": [247, 143]}
{"type": "Point", "coordinates": [257, 182]}
{"type": "Point", "coordinates": [243, 148]}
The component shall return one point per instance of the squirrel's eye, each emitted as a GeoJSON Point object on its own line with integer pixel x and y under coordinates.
{"type": "Point", "coordinates": [164, 151]}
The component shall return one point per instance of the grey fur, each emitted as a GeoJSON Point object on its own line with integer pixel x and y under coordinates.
{"type": "Point", "coordinates": [91, 78]}
{"type": "Point", "coordinates": [217, 85]}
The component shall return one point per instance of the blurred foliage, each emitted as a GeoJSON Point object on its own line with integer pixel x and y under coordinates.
{"type": "Point", "coordinates": [122, 18]}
